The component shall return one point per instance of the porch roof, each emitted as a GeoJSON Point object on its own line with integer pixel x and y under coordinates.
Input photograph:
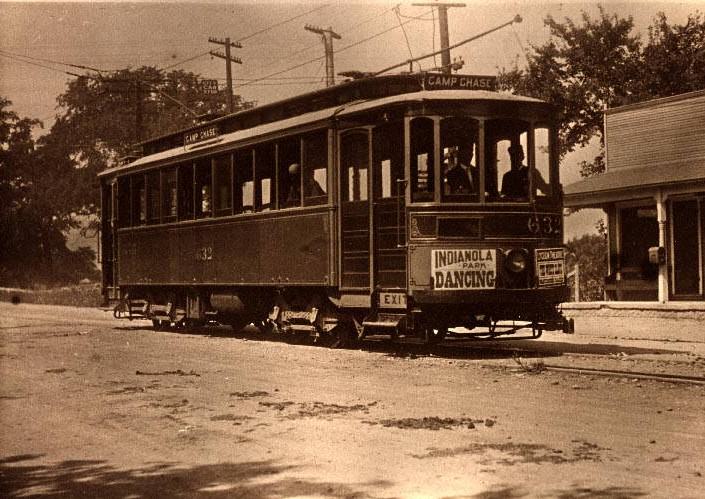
{"type": "Point", "coordinates": [632, 183]}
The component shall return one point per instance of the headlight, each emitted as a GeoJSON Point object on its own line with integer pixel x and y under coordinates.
{"type": "Point", "coordinates": [515, 260]}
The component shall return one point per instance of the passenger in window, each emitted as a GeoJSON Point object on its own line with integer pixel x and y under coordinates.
{"type": "Point", "coordinates": [459, 176]}
{"type": "Point", "coordinates": [311, 186]}
{"type": "Point", "coordinates": [515, 183]}
{"type": "Point", "coordinates": [205, 199]}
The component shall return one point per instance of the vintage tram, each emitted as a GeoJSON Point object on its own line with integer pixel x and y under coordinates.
{"type": "Point", "coordinates": [400, 204]}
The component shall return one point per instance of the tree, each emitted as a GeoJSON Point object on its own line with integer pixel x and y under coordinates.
{"type": "Point", "coordinates": [102, 116]}
{"type": "Point", "coordinates": [589, 252]}
{"type": "Point", "coordinates": [674, 58]}
{"type": "Point", "coordinates": [588, 67]}
{"type": "Point", "coordinates": [35, 209]}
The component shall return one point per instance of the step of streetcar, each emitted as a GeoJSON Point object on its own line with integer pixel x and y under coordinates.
{"type": "Point", "coordinates": [383, 321]}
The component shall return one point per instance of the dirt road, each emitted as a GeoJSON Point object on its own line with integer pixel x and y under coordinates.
{"type": "Point", "coordinates": [92, 407]}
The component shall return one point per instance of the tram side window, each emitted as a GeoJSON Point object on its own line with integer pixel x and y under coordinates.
{"type": "Point", "coordinates": [204, 185]}
{"type": "Point", "coordinates": [243, 192]}
{"type": "Point", "coordinates": [422, 160]}
{"type": "Point", "coordinates": [461, 179]}
{"type": "Point", "coordinates": [354, 158]}
{"type": "Point", "coordinates": [186, 191]}
{"type": "Point", "coordinates": [388, 143]}
{"type": "Point", "coordinates": [223, 185]}
{"type": "Point", "coordinates": [542, 177]}
{"type": "Point", "coordinates": [289, 173]}
{"type": "Point", "coordinates": [315, 168]}
{"type": "Point", "coordinates": [507, 176]}
{"type": "Point", "coordinates": [139, 200]}
{"type": "Point", "coordinates": [153, 197]}
{"type": "Point", "coordinates": [264, 170]}
{"type": "Point", "coordinates": [124, 202]}
{"type": "Point", "coordinates": [169, 197]}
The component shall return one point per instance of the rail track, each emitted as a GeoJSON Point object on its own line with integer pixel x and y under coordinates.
{"type": "Point", "coordinates": [669, 378]}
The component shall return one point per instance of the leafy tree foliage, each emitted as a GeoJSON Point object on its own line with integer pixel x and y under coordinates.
{"type": "Point", "coordinates": [102, 116]}
{"type": "Point", "coordinates": [599, 63]}
{"type": "Point", "coordinates": [35, 209]}
{"type": "Point", "coordinates": [50, 186]}
{"type": "Point", "coordinates": [589, 252]}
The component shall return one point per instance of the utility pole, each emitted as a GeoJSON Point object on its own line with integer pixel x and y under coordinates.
{"type": "Point", "coordinates": [228, 70]}
{"type": "Point", "coordinates": [327, 36]}
{"type": "Point", "coordinates": [443, 29]}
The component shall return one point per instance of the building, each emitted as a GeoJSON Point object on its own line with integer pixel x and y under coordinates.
{"type": "Point", "coordinates": [653, 192]}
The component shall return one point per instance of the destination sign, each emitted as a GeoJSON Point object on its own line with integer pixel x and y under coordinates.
{"type": "Point", "coordinates": [459, 82]}
{"type": "Point", "coordinates": [459, 269]}
{"type": "Point", "coordinates": [206, 133]}
{"type": "Point", "coordinates": [550, 266]}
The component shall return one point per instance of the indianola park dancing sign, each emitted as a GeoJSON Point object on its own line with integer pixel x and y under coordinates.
{"type": "Point", "coordinates": [458, 269]}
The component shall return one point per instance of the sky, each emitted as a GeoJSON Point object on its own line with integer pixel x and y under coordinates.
{"type": "Point", "coordinates": [279, 57]}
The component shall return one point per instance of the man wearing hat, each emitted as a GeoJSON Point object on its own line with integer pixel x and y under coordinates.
{"type": "Point", "coordinates": [515, 183]}
{"type": "Point", "coordinates": [458, 177]}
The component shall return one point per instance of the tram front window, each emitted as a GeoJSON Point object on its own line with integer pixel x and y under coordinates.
{"type": "Point", "coordinates": [422, 160]}
{"type": "Point", "coordinates": [461, 178]}
{"type": "Point", "coordinates": [510, 176]}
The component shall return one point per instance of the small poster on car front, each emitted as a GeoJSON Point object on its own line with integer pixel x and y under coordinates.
{"type": "Point", "coordinates": [462, 269]}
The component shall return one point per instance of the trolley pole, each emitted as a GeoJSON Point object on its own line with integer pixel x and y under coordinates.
{"type": "Point", "coordinates": [443, 30]}
{"type": "Point", "coordinates": [228, 69]}
{"type": "Point", "coordinates": [327, 36]}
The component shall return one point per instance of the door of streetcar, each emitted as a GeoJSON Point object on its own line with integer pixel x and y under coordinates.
{"type": "Point", "coordinates": [355, 239]}
{"type": "Point", "coordinates": [389, 206]}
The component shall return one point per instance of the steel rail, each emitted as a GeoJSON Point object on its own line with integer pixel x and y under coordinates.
{"type": "Point", "coordinates": [670, 378]}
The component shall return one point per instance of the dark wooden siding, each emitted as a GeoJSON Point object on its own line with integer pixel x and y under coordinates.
{"type": "Point", "coordinates": [269, 251]}
{"type": "Point", "coordinates": [670, 131]}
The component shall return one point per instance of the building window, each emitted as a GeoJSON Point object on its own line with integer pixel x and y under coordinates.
{"type": "Point", "coordinates": [638, 232]}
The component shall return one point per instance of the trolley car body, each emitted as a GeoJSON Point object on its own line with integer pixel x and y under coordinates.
{"type": "Point", "coordinates": [333, 213]}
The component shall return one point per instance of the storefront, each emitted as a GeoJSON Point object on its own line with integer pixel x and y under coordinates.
{"type": "Point", "coordinates": [653, 193]}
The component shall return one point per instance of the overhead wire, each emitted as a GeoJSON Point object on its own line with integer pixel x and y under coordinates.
{"type": "Point", "coordinates": [50, 61]}
{"type": "Point", "coordinates": [355, 44]}
{"type": "Point", "coordinates": [251, 35]}
{"type": "Point", "coordinates": [2, 54]}
{"type": "Point", "coordinates": [521, 45]}
{"type": "Point", "coordinates": [263, 30]}
{"type": "Point", "coordinates": [315, 45]}
{"type": "Point", "coordinates": [408, 45]}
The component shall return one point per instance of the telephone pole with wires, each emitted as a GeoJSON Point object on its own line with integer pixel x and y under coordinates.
{"type": "Point", "coordinates": [446, 65]}
{"type": "Point", "coordinates": [327, 36]}
{"type": "Point", "coordinates": [228, 69]}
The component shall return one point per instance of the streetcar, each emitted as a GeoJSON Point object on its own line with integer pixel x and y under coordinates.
{"type": "Point", "coordinates": [417, 205]}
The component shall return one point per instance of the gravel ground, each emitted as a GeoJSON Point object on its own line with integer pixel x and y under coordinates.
{"type": "Point", "coordinates": [93, 407]}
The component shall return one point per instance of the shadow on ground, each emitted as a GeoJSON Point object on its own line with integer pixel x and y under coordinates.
{"type": "Point", "coordinates": [95, 478]}
{"type": "Point", "coordinates": [503, 492]}
{"type": "Point", "coordinates": [458, 347]}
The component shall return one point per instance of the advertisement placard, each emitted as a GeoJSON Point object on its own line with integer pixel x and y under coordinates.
{"type": "Point", "coordinates": [463, 269]}
{"type": "Point", "coordinates": [550, 266]}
